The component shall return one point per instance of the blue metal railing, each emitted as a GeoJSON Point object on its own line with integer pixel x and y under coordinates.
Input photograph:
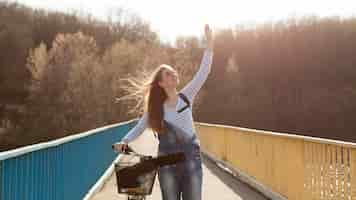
{"type": "Point", "coordinates": [61, 169]}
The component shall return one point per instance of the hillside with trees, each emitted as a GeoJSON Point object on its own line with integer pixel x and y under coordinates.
{"type": "Point", "coordinates": [59, 73]}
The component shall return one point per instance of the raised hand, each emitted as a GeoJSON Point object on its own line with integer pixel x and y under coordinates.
{"type": "Point", "coordinates": [209, 37]}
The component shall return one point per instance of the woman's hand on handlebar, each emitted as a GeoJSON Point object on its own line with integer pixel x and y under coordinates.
{"type": "Point", "coordinates": [120, 146]}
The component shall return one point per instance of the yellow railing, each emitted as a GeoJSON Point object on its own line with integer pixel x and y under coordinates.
{"type": "Point", "coordinates": [296, 167]}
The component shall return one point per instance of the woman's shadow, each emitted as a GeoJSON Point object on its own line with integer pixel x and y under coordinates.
{"type": "Point", "coordinates": [243, 190]}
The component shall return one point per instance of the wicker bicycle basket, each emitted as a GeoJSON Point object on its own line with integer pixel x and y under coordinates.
{"type": "Point", "coordinates": [143, 183]}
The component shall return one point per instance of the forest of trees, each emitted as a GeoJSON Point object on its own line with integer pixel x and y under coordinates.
{"type": "Point", "coordinates": [293, 76]}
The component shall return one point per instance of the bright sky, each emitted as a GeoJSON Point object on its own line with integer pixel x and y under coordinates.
{"type": "Point", "coordinates": [186, 17]}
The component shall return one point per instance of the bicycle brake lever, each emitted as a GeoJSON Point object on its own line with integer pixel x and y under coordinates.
{"type": "Point", "coordinates": [128, 149]}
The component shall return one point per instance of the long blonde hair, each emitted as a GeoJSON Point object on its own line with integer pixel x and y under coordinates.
{"type": "Point", "coordinates": [146, 90]}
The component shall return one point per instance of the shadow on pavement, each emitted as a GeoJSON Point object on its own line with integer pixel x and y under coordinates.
{"type": "Point", "coordinates": [243, 190]}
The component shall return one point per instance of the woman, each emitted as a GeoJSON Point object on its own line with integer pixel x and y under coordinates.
{"type": "Point", "coordinates": [169, 115]}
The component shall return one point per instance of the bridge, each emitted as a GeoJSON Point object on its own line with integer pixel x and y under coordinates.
{"type": "Point", "coordinates": [238, 163]}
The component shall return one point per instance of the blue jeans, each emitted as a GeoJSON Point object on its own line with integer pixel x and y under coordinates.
{"type": "Point", "coordinates": [183, 179]}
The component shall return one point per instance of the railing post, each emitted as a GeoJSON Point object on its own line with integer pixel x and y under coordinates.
{"type": "Point", "coordinates": [224, 156]}
{"type": "Point", "coordinates": [353, 174]}
{"type": "Point", "coordinates": [1, 183]}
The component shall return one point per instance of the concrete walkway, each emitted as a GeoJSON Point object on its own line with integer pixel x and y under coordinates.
{"type": "Point", "coordinates": [217, 184]}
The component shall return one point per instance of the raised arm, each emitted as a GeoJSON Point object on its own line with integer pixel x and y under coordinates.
{"type": "Point", "coordinates": [136, 130]}
{"type": "Point", "coordinates": [194, 85]}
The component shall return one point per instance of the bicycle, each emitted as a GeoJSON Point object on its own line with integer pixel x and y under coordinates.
{"type": "Point", "coordinates": [136, 177]}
